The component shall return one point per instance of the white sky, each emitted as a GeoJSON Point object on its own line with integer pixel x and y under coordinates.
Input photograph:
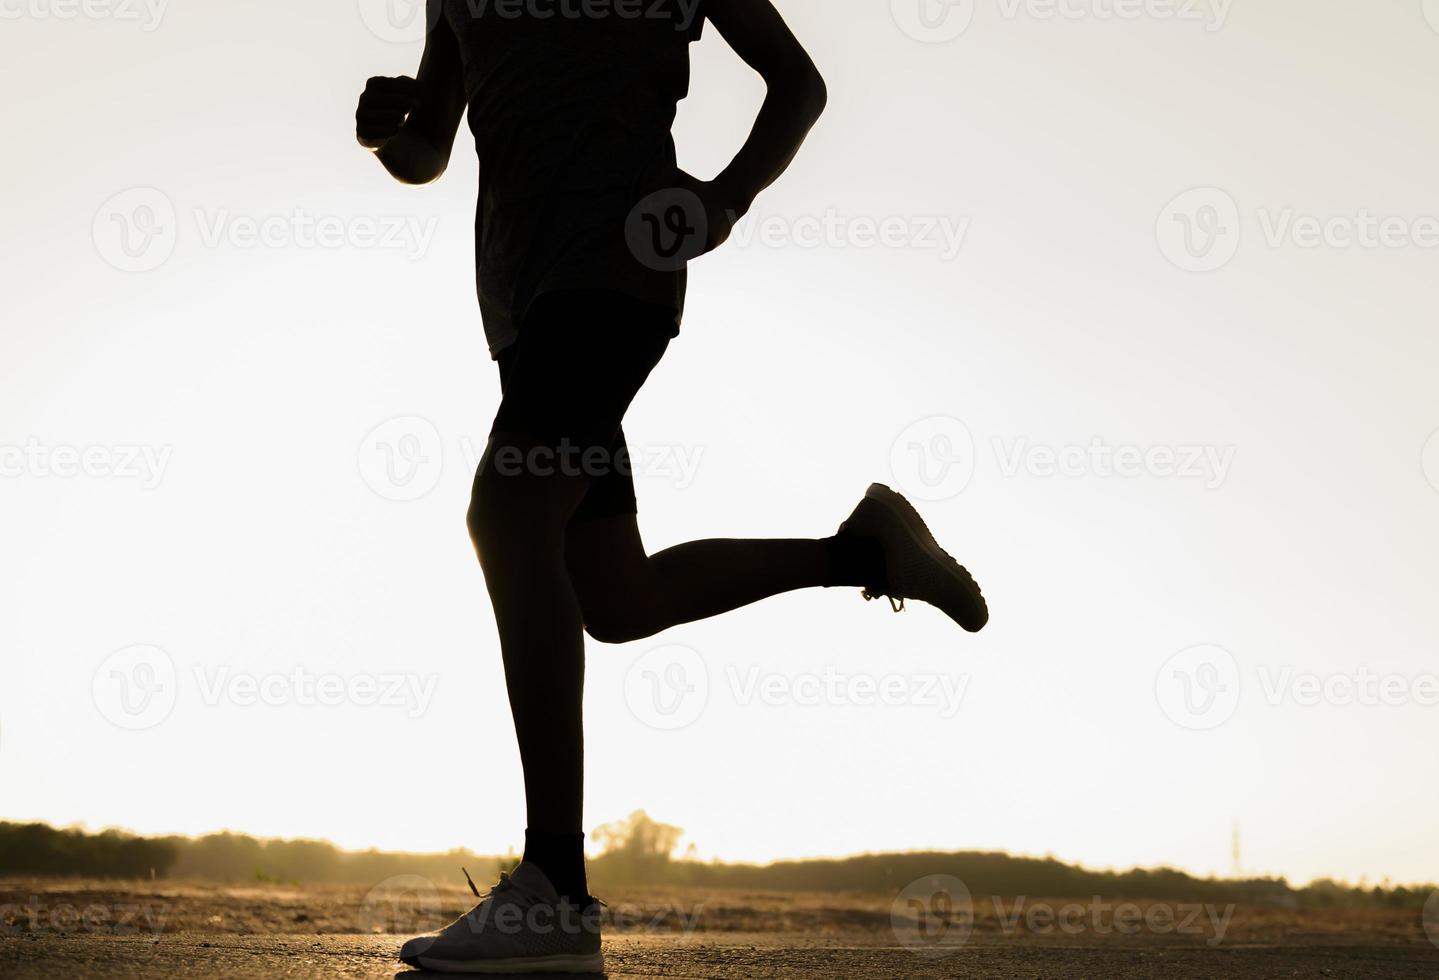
{"type": "Point", "coordinates": [255, 375]}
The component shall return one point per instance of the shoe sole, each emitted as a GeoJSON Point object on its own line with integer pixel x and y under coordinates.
{"type": "Point", "coordinates": [593, 963]}
{"type": "Point", "coordinates": [904, 511]}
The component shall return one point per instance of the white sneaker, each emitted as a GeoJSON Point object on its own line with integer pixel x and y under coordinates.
{"type": "Point", "coordinates": [521, 926]}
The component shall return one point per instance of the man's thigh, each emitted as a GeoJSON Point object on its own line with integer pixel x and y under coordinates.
{"type": "Point", "coordinates": [608, 566]}
{"type": "Point", "coordinates": [580, 359]}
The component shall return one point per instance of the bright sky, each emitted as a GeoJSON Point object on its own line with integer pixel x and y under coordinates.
{"type": "Point", "coordinates": [243, 385]}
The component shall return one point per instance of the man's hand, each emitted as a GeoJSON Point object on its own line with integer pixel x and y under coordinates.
{"type": "Point", "coordinates": [384, 106]}
{"type": "Point", "coordinates": [723, 208]}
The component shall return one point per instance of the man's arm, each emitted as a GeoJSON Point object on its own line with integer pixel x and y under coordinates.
{"type": "Point", "coordinates": [796, 96]}
{"type": "Point", "coordinates": [410, 123]}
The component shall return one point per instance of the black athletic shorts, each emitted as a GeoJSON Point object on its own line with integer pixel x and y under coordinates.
{"type": "Point", "coordinates": [567, 380]}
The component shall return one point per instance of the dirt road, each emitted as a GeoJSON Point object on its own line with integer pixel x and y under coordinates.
{"type": "Point", "coordinates": [735, 956]}
{"type": "Point", "coordinates": [162, 929]}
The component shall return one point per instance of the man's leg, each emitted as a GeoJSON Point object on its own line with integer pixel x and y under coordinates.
{"type": "Point", "coordinates": [626, 594]}
{"type": "Point", "coordinates": [517, 521]}
{"type": "Point", "coordinates": [567, 382]}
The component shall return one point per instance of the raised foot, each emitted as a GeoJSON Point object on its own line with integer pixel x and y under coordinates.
{"type": "Point", "coordinates": [915, 566]}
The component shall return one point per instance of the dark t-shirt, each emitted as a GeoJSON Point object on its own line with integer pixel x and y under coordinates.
{"type": "Point", "coordinates": [571, 104]}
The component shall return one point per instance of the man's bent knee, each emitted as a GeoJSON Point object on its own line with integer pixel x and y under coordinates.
{"type": "Point", "coordinates": [620, 626]}
{"type": "Point", "coordinates": [607, 632]}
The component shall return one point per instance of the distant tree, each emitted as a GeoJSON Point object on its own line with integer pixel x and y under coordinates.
{"type": "Point", "coordinates": [635, 849]}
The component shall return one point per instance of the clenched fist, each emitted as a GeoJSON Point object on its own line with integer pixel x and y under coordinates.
{"type": "Point", "coordinates": [384, 105]}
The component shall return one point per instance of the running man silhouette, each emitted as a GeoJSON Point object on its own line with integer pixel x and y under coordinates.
{"type": "Point", "coordinates": [584, 226]}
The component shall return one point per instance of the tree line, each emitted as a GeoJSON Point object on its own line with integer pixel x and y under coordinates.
{"type": "Point", "coordinates": [639, 851]}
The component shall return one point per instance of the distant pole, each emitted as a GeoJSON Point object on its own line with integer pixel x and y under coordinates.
{"type": "Point", "coordinates": [1236, 865]}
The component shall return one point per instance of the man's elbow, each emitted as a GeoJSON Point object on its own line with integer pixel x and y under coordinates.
{"type": "Point", "coordinates": [803, 86]}
{"type": "Point", "coordinates": [411, 159]}
{"type": "Point", "coordinates": [418, 177]}
{"type": "Point", "coordinates": [816, 94]}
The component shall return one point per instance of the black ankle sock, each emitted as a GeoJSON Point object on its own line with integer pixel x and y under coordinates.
{"type": "Point", "coordinates": [853, 560]}
{"type": "Point", "coordinates": [562, 858]}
